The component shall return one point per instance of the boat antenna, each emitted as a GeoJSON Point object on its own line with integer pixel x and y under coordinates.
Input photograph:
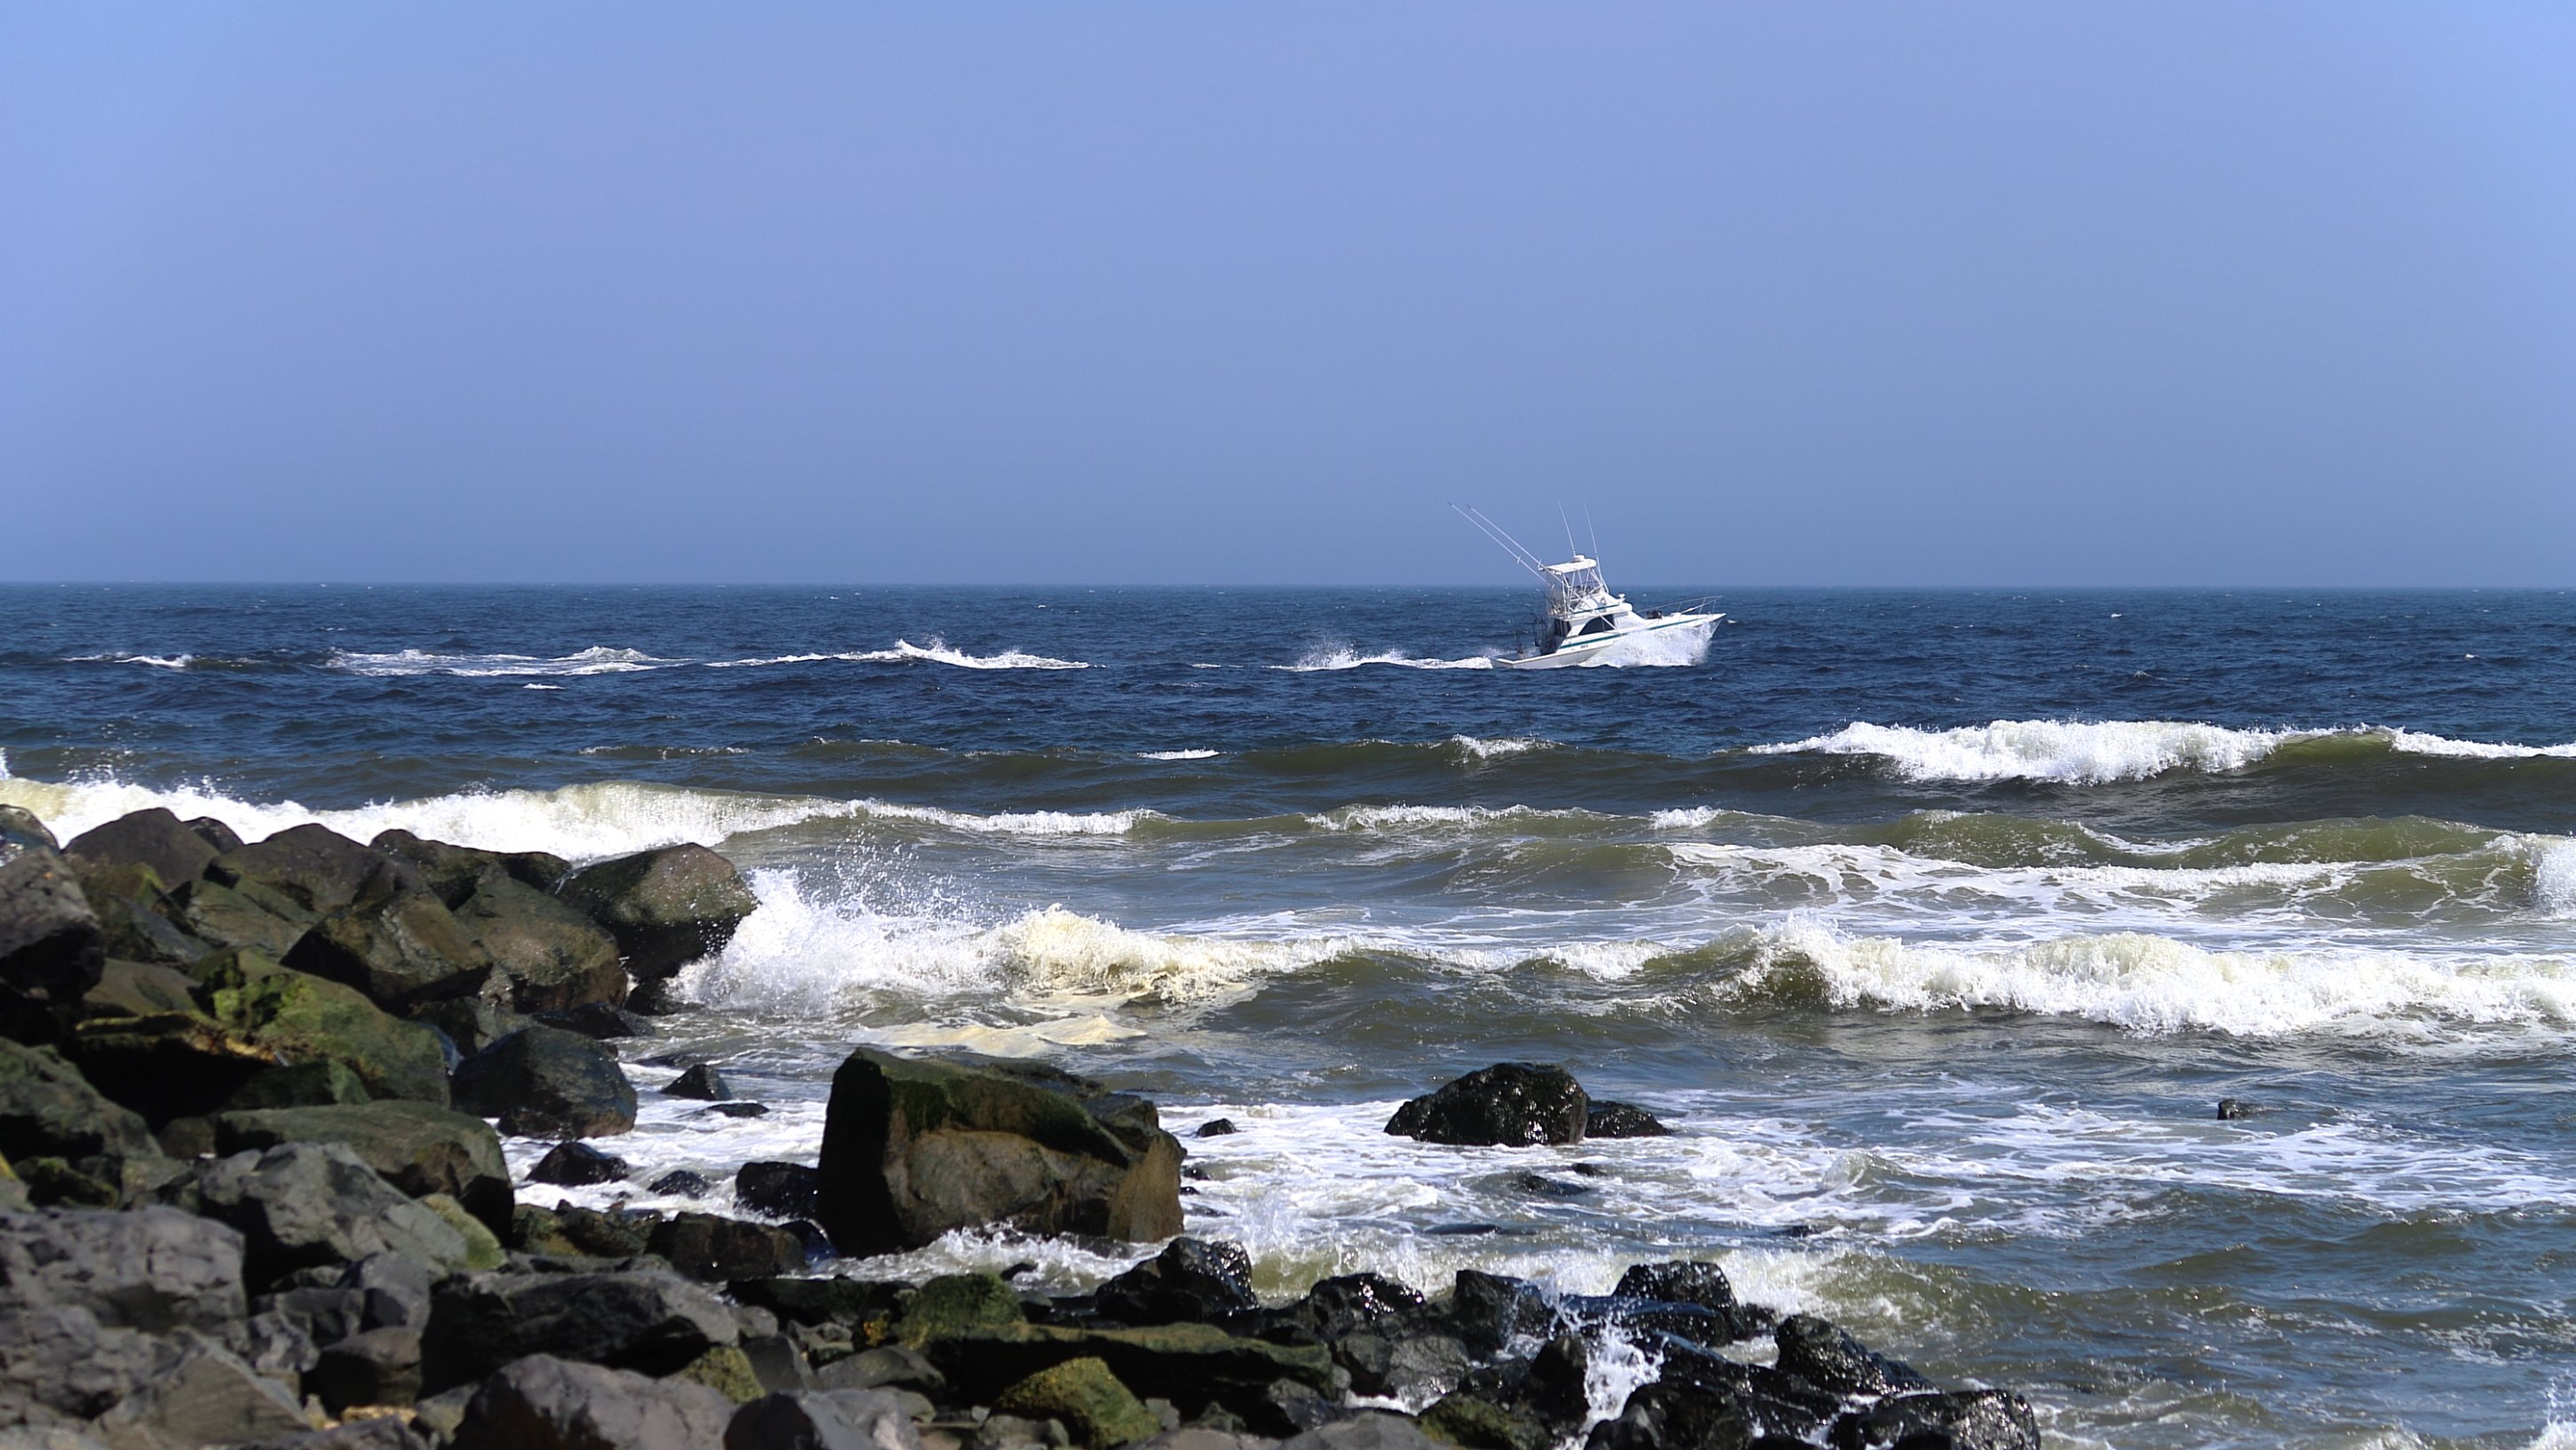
{"type": "Point", "coordinates": [1595, 533]}
{"type": "Point", "coordinates": [1569, 527]}
{"type": "Point", "coordinates": [1510, 545]}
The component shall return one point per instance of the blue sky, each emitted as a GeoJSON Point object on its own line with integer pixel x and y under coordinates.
{"type": "Point", "coordinates": [1814, 294]}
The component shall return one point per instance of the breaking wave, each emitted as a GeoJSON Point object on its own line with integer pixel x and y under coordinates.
{"type": "Point", "coordinates": [1342, 657]}
{"type": "Point", "coordinates": [597, 660]}
{"type": "Point", "coordinates": [2102, 752]}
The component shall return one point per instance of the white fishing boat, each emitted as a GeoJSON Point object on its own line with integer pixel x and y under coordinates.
{"type": "Point", "coordinates": [1588, 625]}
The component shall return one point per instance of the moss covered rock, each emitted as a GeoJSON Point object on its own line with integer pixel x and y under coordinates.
{"type": "Point", "coordinates": [302, 1018]}
{"type": "Point", "coordinates": [1086, 1399]}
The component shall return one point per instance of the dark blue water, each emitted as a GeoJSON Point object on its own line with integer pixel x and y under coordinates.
{"type": "Point", "coordinates": [1938, 920]}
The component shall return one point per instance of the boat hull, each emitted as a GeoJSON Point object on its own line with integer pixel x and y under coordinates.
{"type": "Point", "coordinates": [1679, 631]}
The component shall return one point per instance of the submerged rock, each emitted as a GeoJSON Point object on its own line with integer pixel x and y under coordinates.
{"type": "Point", "coordinates": [1622, 1120]}
{"type": "Point", "coordinates": [576, 1165]}
{"type": "Point", "coordinates": [913, 1149]}
{"type": "Point", "coordinates": [702, 1082]}
{"type": "Point", "coordinates": [1510, 1104]}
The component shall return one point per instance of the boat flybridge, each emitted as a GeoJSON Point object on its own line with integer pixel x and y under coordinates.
{"type": "Point", "coordinates": [1587, 624]}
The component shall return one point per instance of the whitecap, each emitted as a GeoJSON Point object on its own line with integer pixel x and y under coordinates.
{"type": "Point", "coordinates": [596, 660]}
{"type": "Point", "coordinates": [1342, 657]}
{"type": "Point", "coordinates": [1176, 754]}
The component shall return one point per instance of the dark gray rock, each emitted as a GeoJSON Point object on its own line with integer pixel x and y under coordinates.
{"type": "Point", "coordinates": [471, 1023]}
{"type": "Point", "coordinates": [51, 949]}
{"type": "Point", "coordinates": [1830, 1358]}
{"type": "Point", "coordinates": [1191, 1279]}
{"type": "Point", "coordinates": [1406, 1366]}
{"type": "Point", "coordinates": [135, 920]}
{"type": "Point", "coordinates": [1349, 1304]}
{"type": "Point", "coordinates": [308, 1205]}
{"type": "Point", "coordinates": [1490, 1310]}
{"type": "Point", "coordinates": [832, 1300]}
{"type": "Point", "coordinates": [1603, 1119]}
{"type": "Point", "coordinates": [889, 1366]}
{"type": "Point", "coordinates": [128, 988]}
{"type": "Point", "coordinates": [397, 943]}
{"type": "Point", "coordinates": [545, 1403]}
{"type": "Point", "coordinates": [420, 1148]}
{"type": "Point", "coordinates": [779, 1190]}
{"type": "Point", "coordinates": [315, 867]}
{"type": "Point", "coordinates": [1955, 1420]}
{"type": "Point", "coordinates": [666, 908]}
{"type": "Point", "coordinates": [551, 956]}
{"type": "Point", "coordinates": [543, 1082]}
{"type": "Point", "coordinates": [202, 1394]}
{"type": "Point", "coordinates": [1369, 1430]}
{"type": "Point", "coordinates": [702, 1082]}
{"type": "Point", "coordinates": [645, 1320]}
{"type": "Point", "coordinates": [681, 1183]}
{"type": "Point", "coordinates": [2232, 1109]}
{"type": "Point", "coordinates": [216, 834]}
{"type": "Point", "coordinates": [385, 1432]}
{"type": "Point", "coordinates": [1510, 1104]}
{"type": "Point", "coordinates": [249, 917]}
{"type": "Point", "coordinates": [1217, 1128]}
{"type": "Point", "coordinates": [327, 1083]}
{"type": "Point", "coordinates": [576, 1165]}
{"type": "Point", "coordinates": [719, 1250]}
{"type": "Point", "coordinates": [824, 1420]}
{"type": "Point", "coordinates": [1676, 1417]}
{"type": "Point", "coordinates": [913, 1149]}
{"type": "Point", "coordinates": [376, 1367]}
{"type": "Point", "coordinates": [95, 1307]}
{"type": "Point", "coordinates": [151, 838]}
{"type": "Point", "coordinates": [1678, 1281]}
{"type": "Point", "coordinates": [49, 1110]}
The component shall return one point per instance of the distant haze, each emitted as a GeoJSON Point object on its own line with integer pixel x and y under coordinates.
{"type": "Point", "coordinates": [1785, 294]}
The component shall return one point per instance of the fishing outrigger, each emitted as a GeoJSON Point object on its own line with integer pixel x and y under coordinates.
{"type": "Point", "coordinates": [1589, 625]}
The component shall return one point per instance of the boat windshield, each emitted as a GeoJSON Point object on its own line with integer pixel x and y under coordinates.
{"type": "Point", "coordinates": [1575, 582]}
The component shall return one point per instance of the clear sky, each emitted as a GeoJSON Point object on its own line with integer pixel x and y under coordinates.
{"type": "Point", "coordinates": [1827, 293]}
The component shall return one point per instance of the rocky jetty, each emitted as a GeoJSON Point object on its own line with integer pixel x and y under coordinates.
{"type": "Point", "coordinates": [253, 1098]}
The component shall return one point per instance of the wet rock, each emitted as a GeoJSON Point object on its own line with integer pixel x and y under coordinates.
{"type": "Point", "coordinates": [1510, 1104]}
{"type": "Point", "coordinates": [1488, 1310]}
{"type": "Point", "coordinates": [1473, 1421]}
{"type": "Point", "coordinates": [645, 1320]}
{"type": "Point", "coordinates": [305, 1085]}
{"type": "Point", "coordinates": [1956, 1420]}
{"type": "Point", "coordinates": [375, 1367]}
{"type": "Point", "coordinates": [1348, 1304]}
{"type": "Point", "coordinates": [49, 1110]}
{"type": "Point", "coordinates": [1370, 1430]}
{"type": "Point", "coordinates": [51, 949]}
{"type": "Point", "coordinates": [216, 834]}
{"type": "Point", "coordinates": [1830, 1358]}
{"type": "Point", "coordinates": [598, 1020]}
{"type": "Point", "coordinates": [780, 1190]}
{"type": "Point", "coordinates": [842, 1420]}
{"type": "Point", "coordinates": [913, 1149]}
{"type": "Point", "coordinates": [702, 1082]}
{"type": "Point", "coordinates": [545, 1403]}
{"type": "Point", "coordinates": [1408, 1366]}
{"type": "Point", "coordinates": [666, 908]}
{"type": "Point", "coordinates": [1192, 1365]}
{"type": "Point", "coordinates": [134, 919]}
{"type": "Point", "coordinates": [397, 944]}
{"type": "Point", "coordinates": [1664, 1417]}
{"type": "Point", "coordinates": [1217, 1128]}
{"type": "Point", "coordinates": [1191, 1279]}
{"type": "Point", "coordinates": [2232, 1109]}
{"type": "Point", "coordinates": [1543, 1186]}
{"type": "Point", "coordinates": [250, 917]}
{"type": "Point", "coordinates": [576, 1165]}
{"type": "Point", "coordinates": [313, 866]}
{"type": "Point", "coordinates": [1776, 1403]}
{"type": "Point", "coordinates": [471, 1023]}
{"type": "Point", "coordinates": [154, 839]}
{"type": "Point", "coordinates": [203, 1395]}
{"type": "Point", "coordinates": [681, 1183]}
{"type": "Point", "coordinates": [419, 1148]}
{"type": "Point", "coordinates": [551, 956]}
{"type": "Point", "coordinates": [1085, 1398]}
{"type": "Point", "coordinates": [546, 1083]}
{"type": "Point", "coordinates": [822, 1301]}
{"type": "Point", "coordinates": [708, 1247]}
{"type": "Point", "coordinates": [1603, 1119]}
{"type": "Point", "coordinates": [737, 1110]}
{"type": "Point", "coordinates": [306, 1205]}
{"type": "Point", "coordinates": [453, 872]}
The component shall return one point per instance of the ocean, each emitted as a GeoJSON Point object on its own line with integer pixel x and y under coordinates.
{"type": "Point", "coordinates": [1937, 923]}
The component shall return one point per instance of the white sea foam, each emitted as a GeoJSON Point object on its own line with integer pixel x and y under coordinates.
{"type": "Point", "coordinates": [1176, 754]}
{"type": "Point", "coordinates": [2089, 753]}
{"type": "Point", "coordinates": [1015, 823]}
{"type": "Point", "coordinates": [1483, 750]}
{"type": "Point", "coordinates": [1343, 657]}
{"type": "Point", "coordinates": [2100, 752]}
{"type": "Point", "coordinates": [2152, 983]}
{"type": "Point", "coordinates": [938, 652]}
{"type": "Point", "coordinates": [158, 662]}
{"type": "Point", "coordinates": [1380, 818]}
{"type": "Point", "coordinates": [597, 660]}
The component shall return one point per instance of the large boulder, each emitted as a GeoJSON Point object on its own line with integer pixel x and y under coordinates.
{"type": "Point", "coordinates": [1511, 1104]}
{"type": "Point", "coordinates": [716, 1249]}
{"type": "Point", "coordinates": [913, 1149]}
{"type": "Point", "coordinates": [249, 917]}
{"type": "Point", "coordinates": [201, 1394]}
{"type": "Point", "coordinates": [48, 1110]}
{"type": "Point", "coordinates": [552, 956]}
{"type": "Point", "coordinates": [666, 908]}
{"type": "Point", "coordinates": [544, 1082]}
{"type": "Point", "coordinates": [153, 838]}
{"type": "Point", "coordinates": [128, 988]}
{"type": "Point", "coordinates": [86, 1297]}
{"type": "Point", "coordinates": [455, 871]}
{"type": "Point", "coordinates": [315, 867]}
{"type": "Point", "coordinates": [645, 1320]}
{"type": "Point", "coordinates": [398, 944]}
{"type": "Point", "coordinates": [1948, 1420]}
{"type": "Point", "coordinates": [257, 1016]}
{"type": "Point", "coordinates": [135, 914]}
{"type": "Point", "coordinates": [544, 1403]}
{"type": "Point", "coordinates": [823, 1420]}
{"type": "Point", "coordinates": [50, 946]}
{"type": "Point", "coordinates": [318, 1205]}
{"type": "Point", "coordinates": [420, 1148]}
